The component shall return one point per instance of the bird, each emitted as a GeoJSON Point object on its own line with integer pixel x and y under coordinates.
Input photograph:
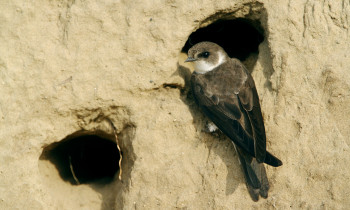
{"type": "Point", "coordinates": [225, 91]}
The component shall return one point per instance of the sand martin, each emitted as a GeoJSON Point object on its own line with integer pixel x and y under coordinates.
{"type": "Point", "coordinates": [225, 91]}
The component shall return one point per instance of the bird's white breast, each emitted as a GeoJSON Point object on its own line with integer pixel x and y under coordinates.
{"type": "Point", "coordinates": [202, 66]}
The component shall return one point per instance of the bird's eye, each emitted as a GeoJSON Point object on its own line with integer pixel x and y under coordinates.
{"type": "Point", "coordinates": [204, 55]}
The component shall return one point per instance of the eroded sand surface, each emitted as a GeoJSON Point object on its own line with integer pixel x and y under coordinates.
{"type": "Point", "coordinates": [65, 65]}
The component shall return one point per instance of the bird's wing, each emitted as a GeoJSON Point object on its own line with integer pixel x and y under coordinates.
{"type": "Point", "coordinates": [248, 98]}
{"type": "Point", "coordinates": [237, 116]}
{"type": "Point", "coordinates": [226, 112]}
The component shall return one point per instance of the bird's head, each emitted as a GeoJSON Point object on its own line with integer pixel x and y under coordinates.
{"type": "Point", "coordinates": [206, 56]}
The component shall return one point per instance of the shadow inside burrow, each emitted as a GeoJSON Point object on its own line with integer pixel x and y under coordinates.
{"type": "Point", "coordinates": [112, 194]}
{"type": "Point", "coordinates": [92, 158]}
{"type": "Point", "coordinates": [241, 39]}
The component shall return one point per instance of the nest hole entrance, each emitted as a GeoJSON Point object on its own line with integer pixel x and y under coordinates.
{"type": "Point", "coordinates": [239, 37]}
{"type": "Point", "coordinates": [84, 159]}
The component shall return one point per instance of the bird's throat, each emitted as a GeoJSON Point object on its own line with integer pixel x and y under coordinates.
{"type": "Point", "coordinates": [203, 66]}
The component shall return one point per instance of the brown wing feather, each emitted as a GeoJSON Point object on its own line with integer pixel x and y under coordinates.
{"type": "Point", "coordinates": [250, 102]}
{"type": "Point", "coordinates": [226, 113]}
{"type": "Point", "coordinates": [238, 117]}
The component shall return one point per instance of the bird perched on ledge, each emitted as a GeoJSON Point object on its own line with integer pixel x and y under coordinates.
{"type": "Point", "coordinates": [226, 93]}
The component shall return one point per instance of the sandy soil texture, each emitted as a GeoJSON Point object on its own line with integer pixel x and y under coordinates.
{"type": "Point", "coordinates": [71, 67]}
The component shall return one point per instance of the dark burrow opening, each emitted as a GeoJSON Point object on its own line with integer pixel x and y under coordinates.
{"type": "Point", "coordinates": [239, 37]}
{"type": "Point", "coordinates": [84, 158]}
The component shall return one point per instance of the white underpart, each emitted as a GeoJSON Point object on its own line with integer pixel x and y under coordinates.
{"type": "Point", "coordinates": [202, 66]}
{"type": "Point", "coordinates": [212, 127]}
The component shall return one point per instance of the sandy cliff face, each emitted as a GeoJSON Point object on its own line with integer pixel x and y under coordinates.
{"type": "Point", "coordinates": [74, 66]}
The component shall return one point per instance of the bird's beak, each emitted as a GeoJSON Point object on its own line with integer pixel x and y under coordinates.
{"type": "Point", "coordinates": [189, 59]}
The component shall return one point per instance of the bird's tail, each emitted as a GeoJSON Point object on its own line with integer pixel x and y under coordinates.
{"type": "Point", "coordinates": [255, 175]}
